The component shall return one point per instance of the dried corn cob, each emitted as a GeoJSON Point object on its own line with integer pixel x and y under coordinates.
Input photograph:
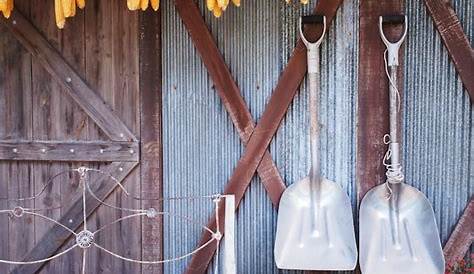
{"type": "Point", "coordinates": [223, 4]}
{"type": "Point", "coordinates": [211, 4]}
{"type": "Point", "coordinates": [217, 11]}
{"type": "Point", "coordinates": [4, 8]}
{"type": "Point", "coordinates": [8, 8]}
{"type": "Point", "coordinates": [236, 2]}
{"type": "Point", "coordinates": [155, 4]}
{"type": "Point", "coordinates": [144, 4]}
{"type": "Point", "coordinates": [133, 4]}
{"type": "Point", "coordinates": [304, 2]}
{"type": "Point", "coordinates": [81, 3]}
{"type": "Point", "coordinates": [66, 6]}
{"type": "Point", "coordinates": [59, 12]}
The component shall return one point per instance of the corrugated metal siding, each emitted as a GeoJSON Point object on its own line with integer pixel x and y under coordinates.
{"type": "Point", "coordinates": [201, 147]}
{"type": "Point", "coordinates": [438, 118]}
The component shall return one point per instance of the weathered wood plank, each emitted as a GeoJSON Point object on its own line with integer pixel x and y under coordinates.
{"type": "Point", "coordinates": [55, 237]}
{"type": "Point", "coordinates": [125, 87]}
{"type": "Point", "coordinates": [151, 157]}
{"type": "Point", "coordinates": [46, 99]}
{"type": "Point", "coordinates": [228, 91]}
{"type": "Point", "coordinates": [68, 78]}
{"type": "Point", "coordinates": [17, 234]}
{"type": "Point", "coordinates": [99, 74]}
{"type": "Point", "coordinates": [73, 151]}
{"type": "Point", "coordinates": [462, 237]}
{"type": "Point", "coordinates": [449, 27]}
{"type": "Point", "coordinates": [286, 88]}
{"type": "Point", "coordinates": [373, 114]}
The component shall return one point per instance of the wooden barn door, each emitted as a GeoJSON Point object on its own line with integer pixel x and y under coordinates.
{"type": "Point", "coordinates": [82, 96]}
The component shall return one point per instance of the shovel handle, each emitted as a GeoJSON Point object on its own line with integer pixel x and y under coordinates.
{"type": "Point", "coordinates": [393, 47]}
{"type": "Point", "coordinates": [314, 86]}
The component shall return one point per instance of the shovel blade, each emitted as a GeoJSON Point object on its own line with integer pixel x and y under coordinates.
{"type": "Point", "coordinates": [399, 235]}
{"type": "Point", "coordinates": [315, 234]}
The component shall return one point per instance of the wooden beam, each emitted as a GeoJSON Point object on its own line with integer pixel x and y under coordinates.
{"type": "Point", "coordinates": [151, 157]}
{"type": "Point", "coordinates": [72, 218]}
{"type": "Point", "coordinates": [449, 27]}
{"type": "Point", "coordinates": [228, 91]}
{"type": "Point", "coordinates": [76, 87]}
{"type": "Point", "coordinates": [286, 88]}
{"type": "Point", "coordinates": [75, 151]}
{"type": "Point", "coordinates": [373, 95]}
{"type": "Point", "coordinates": [462, 237]}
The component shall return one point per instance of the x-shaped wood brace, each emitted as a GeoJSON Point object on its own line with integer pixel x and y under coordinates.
{"type": "Point", "coordinates": [256, 157]}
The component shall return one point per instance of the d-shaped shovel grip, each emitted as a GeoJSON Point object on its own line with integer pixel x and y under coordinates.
{"type": "Point", "coordinates": [393, 47]}
{"type": "Point", "coordinates": [312, 47]}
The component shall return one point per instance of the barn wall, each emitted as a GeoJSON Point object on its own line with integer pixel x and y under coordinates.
{"type": "Point", "coordinates": [201, 147]}
{"type": "Point", "coordinates": [101, 44]}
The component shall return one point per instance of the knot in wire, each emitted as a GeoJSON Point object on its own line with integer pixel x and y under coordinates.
{"type": "Point", "coordinates": [394, 171]}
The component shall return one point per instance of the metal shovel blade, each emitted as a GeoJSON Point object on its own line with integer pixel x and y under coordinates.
{"type": "Point", "coordinates": [315, 228]}
{"type": "Point", "coordinates": [398, 235]}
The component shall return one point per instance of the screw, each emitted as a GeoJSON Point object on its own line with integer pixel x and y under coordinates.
{"type": "Point", "coordinates": [131, 151]}
{"type": "Point", "coordinates": [70, 221]}
{"type": "Point", "coordinates": [15, 150]}
{"type": "Point", "coordinates": [120, 169]}
{"type": "Point", "coordinates": [101, 151]}
{"type": "Point", "coordinates": [71, 150]}
{"type": "Point", "coordinates": [43, 150]}
{"type": "Point", "coordinates": [69, 80]}
{"type": "Point", "coordinates": [14, 22]}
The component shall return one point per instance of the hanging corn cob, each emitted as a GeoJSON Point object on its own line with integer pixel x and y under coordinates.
{"type": "Point", "coordinates": [143, 4]}
{"type": "Point", "coordinates": [6, 7]}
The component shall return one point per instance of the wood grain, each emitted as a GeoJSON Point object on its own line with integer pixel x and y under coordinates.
{"type": "Point", "coordinates": [72, 151]}
{"type": "Point", "coordinates": [461, 238]}
{"type": "Point", "coordinates": [151, 157]}
{"type": "Point", "coordinates": [52, 240]}
{"type": "Point", "coordinates": [68, 78]}
{"type": "Point", "coordinates": [459, 48]}
{"type": "Point", "coordinates": [283, 94]}
{"type": "Point", "coordinates": [373, 94]}
{"type": "Point", "coordinates": [228, 91]}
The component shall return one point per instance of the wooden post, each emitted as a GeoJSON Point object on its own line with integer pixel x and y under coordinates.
{"type": "Point", "coordinates": [151, 135]}
{"type": "Point", "coordinates": [449, 27]}
{"type": "Point", "coordinates": [373, 113]}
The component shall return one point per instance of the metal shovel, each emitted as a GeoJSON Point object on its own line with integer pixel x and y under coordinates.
{"type": "Point", "coordinates": [398, 232]}
{"type": "Point", "coordinates": [315, 228]}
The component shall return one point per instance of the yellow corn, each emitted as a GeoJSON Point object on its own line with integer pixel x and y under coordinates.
{"type": "Point", "coordinates": [217, 11]}
{"type": "Point", "coordinates": [236, 2]}
{"type": "Point", "coordinates": [59, 12]}
{"type": "Point", "coordinates": [155, 4]}
{"type": "Point", "coordinates": [81, 3]}
{"type": "Point", "coordinates": [144, 4]}
{"type": "Point", "coordinates": [66, 5]}
{"type": "Point", "coordinates": [72, 6]}
{"type": "Point", "coordinates": [3, 6]}
{"type": "Point", "coordinates": [304, 2]}
{"type": "Point", "coordinates": [210, 4]}
{"type": "Point", "coordinates": [222, 4]}
{"type": "Point", "coordinates": [133, 4]}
